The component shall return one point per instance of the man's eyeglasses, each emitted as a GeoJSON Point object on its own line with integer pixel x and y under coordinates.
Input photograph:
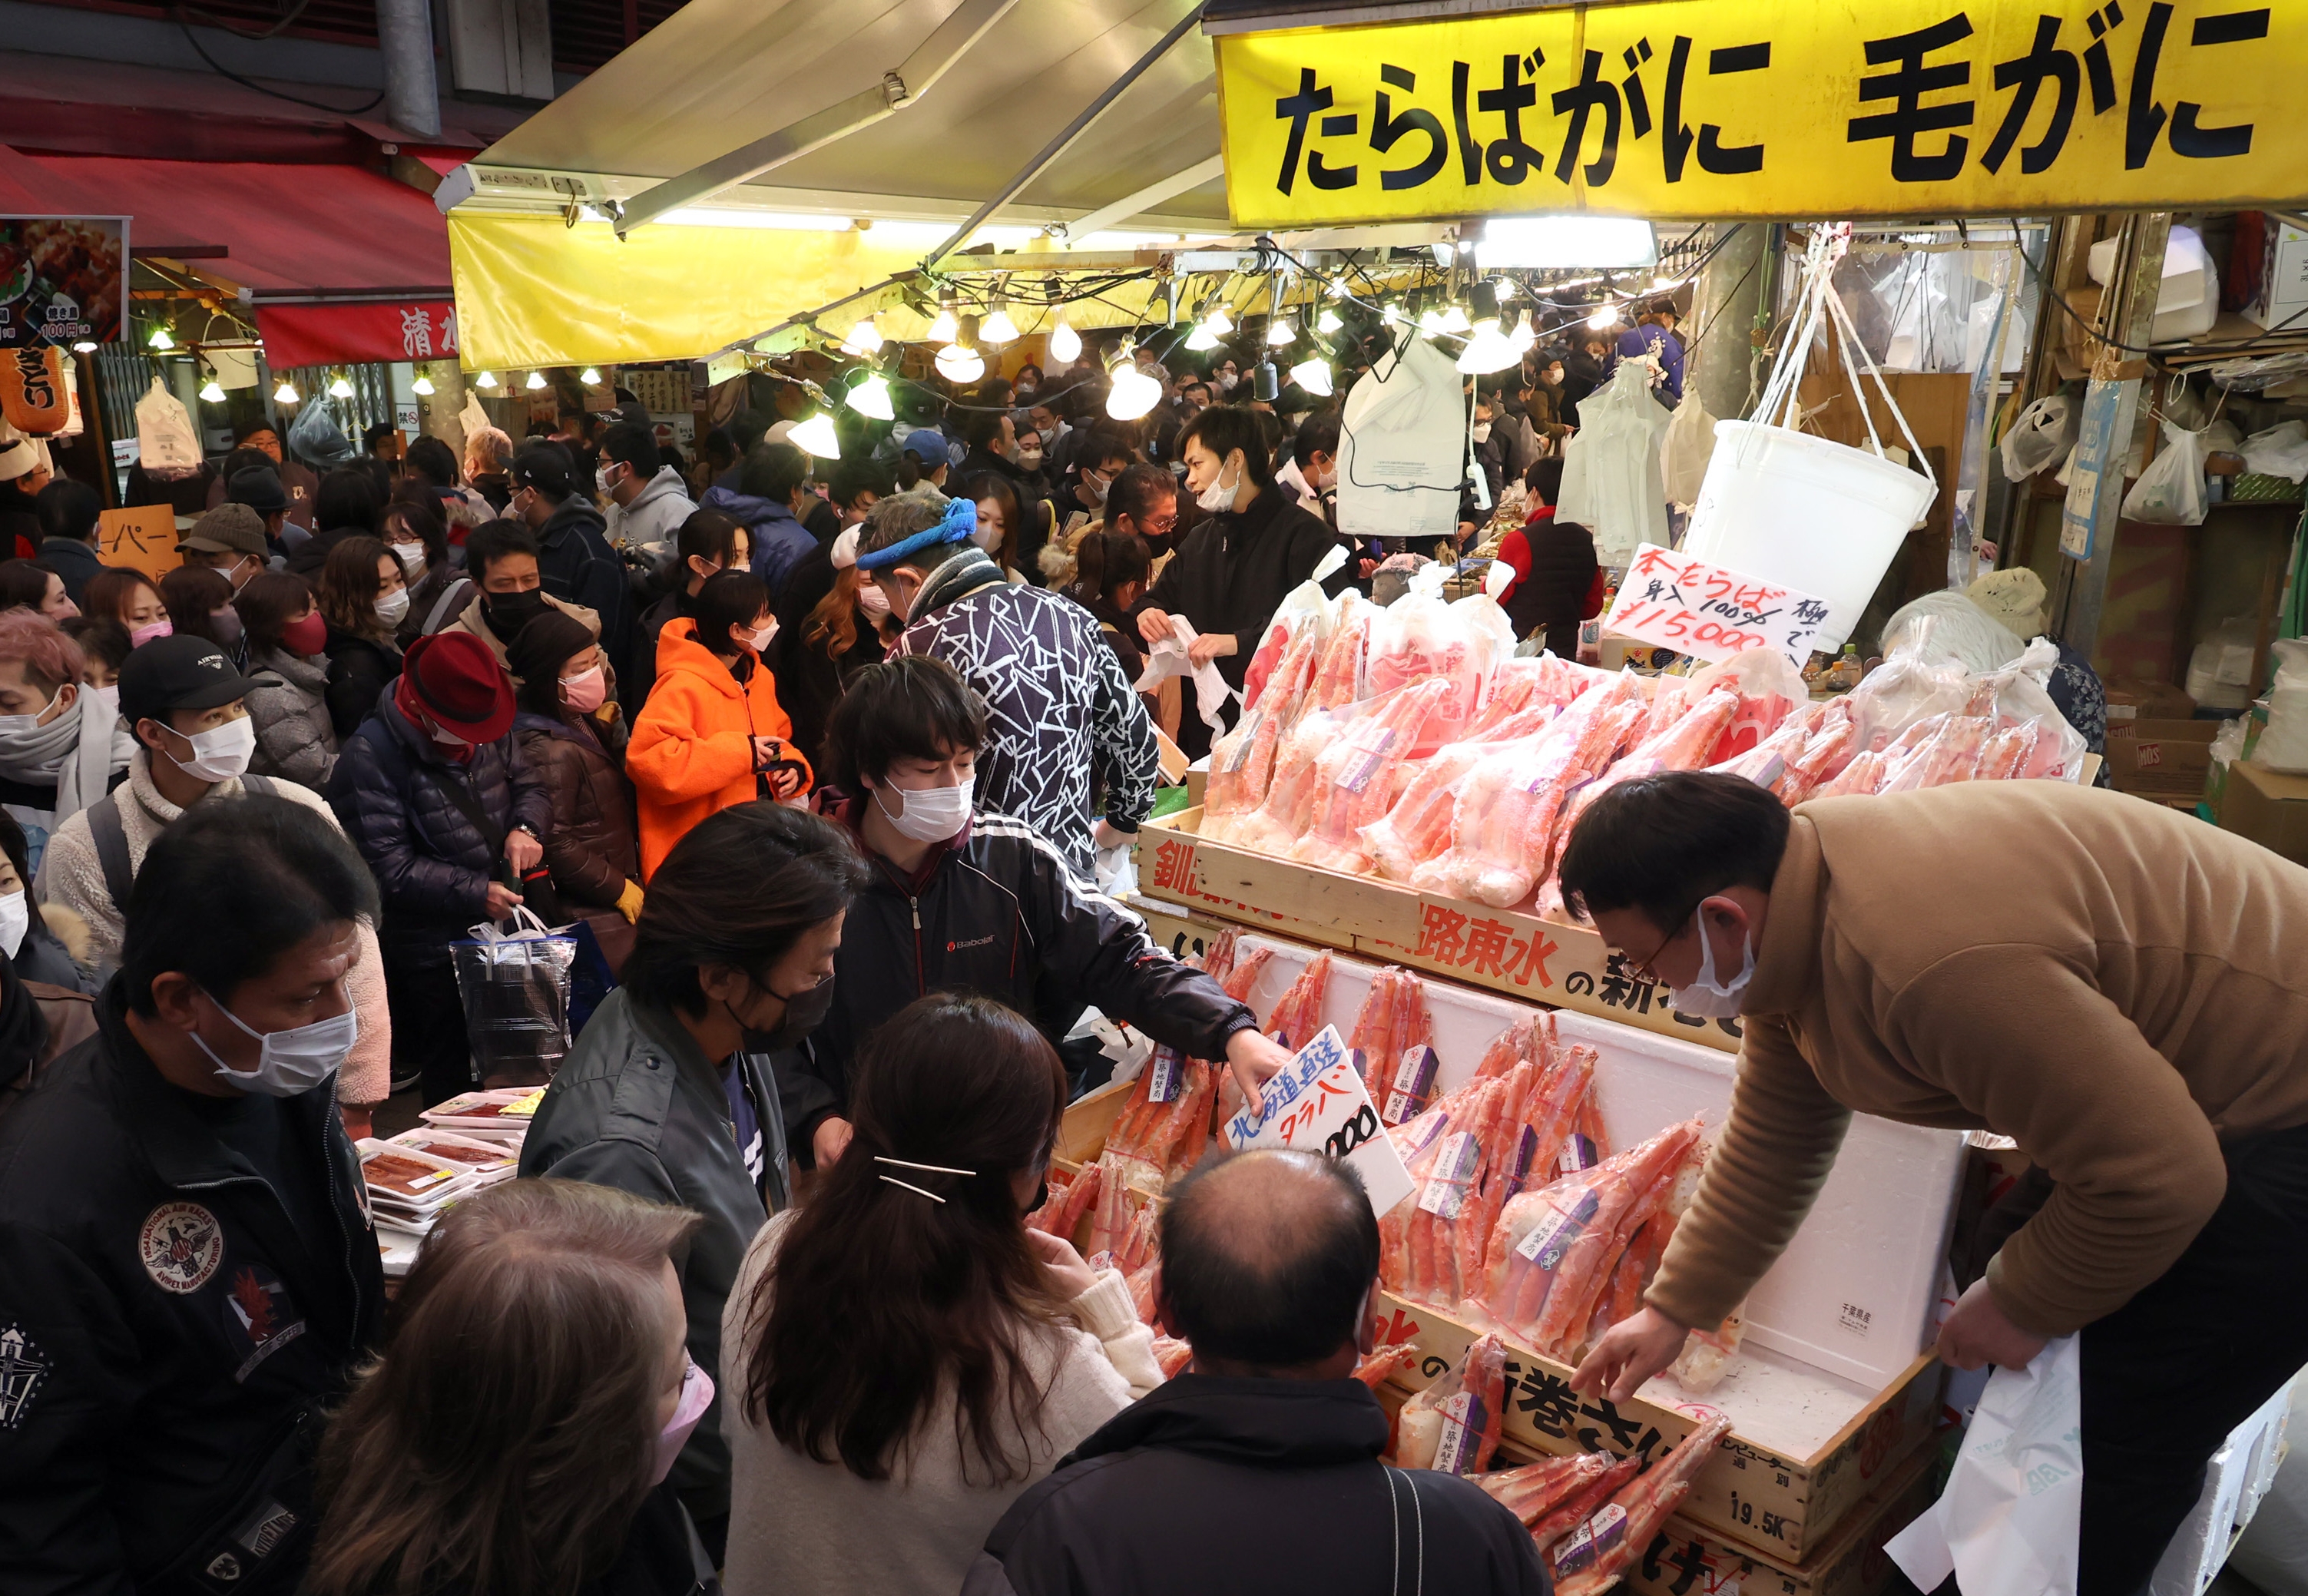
{"type": "Point", "coordinates": [1159, 526]}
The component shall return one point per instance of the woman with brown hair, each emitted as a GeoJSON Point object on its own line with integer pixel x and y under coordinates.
{"type": "Point", "coordinates": [513, 1438]}
{"type": "Point", "coordinates": [362, 597]}
{"type": "Point", "coordinates": [288, 641]}
{"type": "Point", "coordinates": [415, 532]}
{"type": "Point", "coordinates": [130, 597]}
{"type": "Point", "coordinates": [199, 601]}
{"type": "Point", "coordinates": [904, 1357]}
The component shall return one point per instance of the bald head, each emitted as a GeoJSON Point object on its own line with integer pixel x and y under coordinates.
{"type": "Point", "coordinates": [1267, 1258]}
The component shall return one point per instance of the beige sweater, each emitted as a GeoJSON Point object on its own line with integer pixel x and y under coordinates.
{"type": "Point", "coordinates": [2118, 987]}
{"type": "Point", "coordinates": [70, 876]}
{"type": "Point", "coordinates": [802, 1528]}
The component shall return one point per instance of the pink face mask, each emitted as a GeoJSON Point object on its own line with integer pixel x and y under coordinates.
{"type": "Point", "coordinates": [584, 691]}
{"type": "Point", "coordinates": [156, 630]}
{"type": "Point", "coordinates": [696, 1396]}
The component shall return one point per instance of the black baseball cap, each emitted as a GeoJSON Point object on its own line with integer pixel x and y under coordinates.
{"type": "Point", "coordinates": [178, 673]}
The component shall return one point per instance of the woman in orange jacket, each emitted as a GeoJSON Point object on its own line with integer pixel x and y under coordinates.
{"type": "Point", "coordinates": [712, 734]}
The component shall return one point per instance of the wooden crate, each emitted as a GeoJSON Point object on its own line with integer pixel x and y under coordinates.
{"type": "Point", "coordinates": [1784, 1508]}
{"type": "Point", "coordinates": [1540, 960]}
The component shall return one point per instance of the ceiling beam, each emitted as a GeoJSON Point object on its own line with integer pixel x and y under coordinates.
{"type": "Point", "coordinates": [1146, 198]}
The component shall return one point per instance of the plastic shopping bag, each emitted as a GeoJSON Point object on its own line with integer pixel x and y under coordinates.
{"type": "Point", "coordinates": [1688, 446]}
{"type": "Point", "coordinates": [316, 437]}
{"type": "Point", "coordinates": [166, 446]}
{"type": "Point", "coordinates": [1167, 659]}
{"type": "Point", "coordinates": [515, 988]}
{"type": "Point", "coordinates": [2041, 435]}
{"type": "Point", "coordinates": [2172, 489]}
{"type": "Point", "coordinates": [2007, 1523]}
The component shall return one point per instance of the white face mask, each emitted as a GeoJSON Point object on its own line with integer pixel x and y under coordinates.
{"type": "Point", "coordinates": [1098, 486]}
{"type": "Point", "coordinates": [1707, 997]}
{"type": "Point", "coordinates": [1217, 497]}
{"type": "Point", "coordinates": [219, 753]}
{"type": "Point", "coordinates": [873, 600]}
{"type": "Point", "coordinates": [289, 1063]}
{"type": "Point", "coordinates": [412, 559]}
{"type": "Point", "coordinates": [392, 607]}
{"type": "Point", "coordinates": [986, 537]}
{"type": "Point", "coordinates": [605, 479]}
{"type": "Point", "coordinates": [761, 639]}
{"type": "Point", "coordinates": [1482, 432]}
{"type": "Point", "coordinates": [15, 920]}
{"type": "Point", "coordinates": [22, 726]}
{"type": "Point", "coordinates": [1228, 379]}
{"type": "Point", "coordinates": [1029, 458]}
{"type": "Point", "coordinates": [931, 813]}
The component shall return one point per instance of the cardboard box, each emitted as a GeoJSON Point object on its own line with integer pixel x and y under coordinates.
{"type": "Point", "coordinates": [2159, 757]}
{"type": "Point", "coordinates": [1686, 1560]}
{"type": "Point", "coordinates": [1505, 950]}
{"type": "Point", "coordinates": [1779, 1494]}
{"type": "Point", "coordinates": [2272, 810]}
{"type": "Point", "coordinates": [2132, 699]}
{"type": "Point", "coordinates": [2282, 292]}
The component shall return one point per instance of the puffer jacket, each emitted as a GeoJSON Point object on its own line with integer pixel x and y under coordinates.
{"type": "Point", "coordinates": [691, 753]}
{"type": "Point", "coordinates": [360, 669]}
{"type": "Point", "coordinates": [592, 849]}
{"type": "Point", "coordinates": [295, 738]}
{"type": "Point", "coordinates": [432, 868]}
{"type": "Point", "coordinates": [780, 541]}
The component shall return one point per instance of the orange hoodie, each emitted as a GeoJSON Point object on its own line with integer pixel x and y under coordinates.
{"type": "Point", "coordinates": [692, 752]}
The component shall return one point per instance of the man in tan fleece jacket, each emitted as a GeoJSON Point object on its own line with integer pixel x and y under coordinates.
{"type": "Point", "coordinates": [2122, 989]}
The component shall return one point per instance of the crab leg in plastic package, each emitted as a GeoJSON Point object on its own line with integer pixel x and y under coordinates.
{"type": "Point", "coordinates": [1453, 1425]}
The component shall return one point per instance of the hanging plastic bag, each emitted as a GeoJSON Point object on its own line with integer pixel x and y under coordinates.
{"type": "Point", "coordinates": [1611, 482]}
{"type": "Point", "coordinates": [1685, 451]}
{"type": "Point", "coordinates": [2007, 1524]}
{"type": "Point", "coordinates": [166, 446]}
{"type": "Point", "coordinates": [2283, 745]}
{"type": "Point", "coordinates": [515, 988]}
{"type": "Point", "coordinates": [2281, 450]}
{"type": "Point", "coordinates": [316, 438]}
{"type": "Point", "coordinates": [2172, 489]}
{"type": "Point", "coordinates": [2041, 435]}
{"type": "Point", "coordinates": [1419, 637]}
{"type": "Point", "coordinates": [1402, 446]}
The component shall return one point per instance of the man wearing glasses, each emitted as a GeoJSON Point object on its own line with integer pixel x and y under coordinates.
{"type": "Point", "coordinates": [2119, 988]}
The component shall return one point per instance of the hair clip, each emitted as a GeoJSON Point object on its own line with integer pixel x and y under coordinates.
{"type": "Point", "coordinates": [931, 1169]}
{"type": "Point", "coordinates": [910, 1186]}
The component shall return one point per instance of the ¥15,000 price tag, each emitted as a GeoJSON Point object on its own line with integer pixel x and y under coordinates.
{"type": "Point", "coordinates": [1318, 1104]}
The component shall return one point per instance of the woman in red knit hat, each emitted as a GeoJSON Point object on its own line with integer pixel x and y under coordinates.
{"type": "Point", "coordinates": [437, 797]}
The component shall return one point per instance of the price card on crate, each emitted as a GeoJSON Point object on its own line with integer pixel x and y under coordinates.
{"type": "Point", "coordinates": [1318, 1104]}
{"type": "Point", "coordinates": [1673, 601]}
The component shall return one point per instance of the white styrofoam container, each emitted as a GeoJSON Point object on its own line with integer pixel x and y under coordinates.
{"type": "Point", "coordinates": [1856, 1291]}
{"type": "Point", "coordinates": [2282, 293]}
{"type": "Point", "coordinates": [2236, 1479]}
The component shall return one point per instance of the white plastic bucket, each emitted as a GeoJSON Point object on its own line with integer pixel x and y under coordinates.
{"type": "Point", "coordinates": [1819, 516]}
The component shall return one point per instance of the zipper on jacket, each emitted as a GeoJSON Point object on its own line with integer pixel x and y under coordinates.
{"type": "Point", "coordinates": [921, 987]}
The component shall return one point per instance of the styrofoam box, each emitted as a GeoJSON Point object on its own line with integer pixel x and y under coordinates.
{"type": "Point", "coordinates": [1855, 1292]}
{"type": "Point", "coordinates": [2236, 1479]}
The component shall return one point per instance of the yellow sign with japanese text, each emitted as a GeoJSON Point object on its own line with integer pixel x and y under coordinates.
{"type": "Point", "coordinates": [1773, 108]}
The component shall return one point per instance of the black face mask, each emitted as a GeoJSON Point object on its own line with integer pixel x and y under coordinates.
{"type": "Point", "coordinates": [508, 613]}
{"type": "Point", "coordinates": [805, 1013]}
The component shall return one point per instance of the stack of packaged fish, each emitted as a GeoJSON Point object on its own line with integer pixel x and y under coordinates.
{"type": "Point", "coordinates": [468, 1144]}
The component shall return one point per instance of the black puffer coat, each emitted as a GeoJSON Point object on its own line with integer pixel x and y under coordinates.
{"type": "Point", "coordinates": [391, 793]}
{"type": "Point", "coordinates": [360, 668]}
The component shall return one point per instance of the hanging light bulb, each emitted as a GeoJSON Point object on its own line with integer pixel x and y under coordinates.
{"type": "Point", "coordinates": [1281, 331]}
{"type": "Point", "coordinates": [1218, 322]}
{"type": "Point", "coordinates": [160, 338]}
{"type": "Point", "coordinates": [958, 363]}
{"type": "Point", "coordinates": [863, 339]}
{"type": "Point", "coordinates": [1314, 375]}
{"type": "Point", "coordinates": [1488, 348]}
{"type": "Point", "coordinates": [816, 436]}
{"type": "Point", "coordinates": [536, 380]}
{"type": "Point", "coordinates": [1202, 337]}
{"type": "Point", "coordinates": [1454, 319]}
{"type": "Point", "coordinates": [1133, 393]}
{"type": "Point", "coordinates": [1329, 320]}
{"type": "Point", "coordinates": [872, 398]}
{"type": "Point", "coordinates": [488, 379]}
{"type": "Point", "coordinates": [946, 327]}
{"type": "Point", "coordinates": [590, 377]}
{"type": "Point", "coordinates": [86, 345]}
{"type": "Point", "coordinates": [1524, 335]}
{"type": "Point", "coordinates": [212, 391]}
{"type": "Point", "coordinates": [1430, 321]}
{"type": "Point", "coordinates": [1602, 316]}
{"type": "Point", "coordinates": [1506, 289]}
{"type": "Point", "coordinates": [285, 393]}
{"type": "Point", "coordinates": [422, 386]}
{"type": "Point", "coordinates": [1065, 343]}
{"type": "Point", "coordinates": [997, 329]}
{"type": "Point", "coordinates": [341, 388]}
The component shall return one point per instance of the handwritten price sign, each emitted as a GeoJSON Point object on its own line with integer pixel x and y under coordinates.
{"type": "Point", "coordinates": [1672, 601]}
{"type": "Point", "coordinates": [1319, 1105]}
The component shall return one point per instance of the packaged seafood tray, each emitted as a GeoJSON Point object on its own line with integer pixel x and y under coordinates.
{"type": "Point", "coordinates": [504, 1112]}
{"type": "Point", "coordinates": [413, 1187]}
{"type": "Point", "coordinates": [397, 1249]}
{"type": "Point", "coordinates": [477, 1154]}
{"type": "Point", "coordinates": [1806, 1447]}
{"type": "Point", "coordinates": [1513, 951]}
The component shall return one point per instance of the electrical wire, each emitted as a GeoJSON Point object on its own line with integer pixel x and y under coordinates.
{"type": "Point", "coordinates": [2044, 286]}
{"type": "Point", "coordinates": [177, 14]}
{"type": "Point", "coordinates": [287, 20]}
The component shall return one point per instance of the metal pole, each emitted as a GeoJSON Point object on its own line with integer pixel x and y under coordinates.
{"type": "Point", "coordinates": [404, 33]}
{"type": "Point", "coordinates": [1067, 136]}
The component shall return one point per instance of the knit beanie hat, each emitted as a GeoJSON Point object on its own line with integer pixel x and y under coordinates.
{"type": "Point", "coordinates": [459, 686]}
{"type": "Point", "coordinates": [2015, 598]}
{"type": "Point", "coordinates": [539, 649]}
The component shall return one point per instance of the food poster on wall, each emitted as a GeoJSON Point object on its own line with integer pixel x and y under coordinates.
{"type": "Point", "coordinates": [62, 279]}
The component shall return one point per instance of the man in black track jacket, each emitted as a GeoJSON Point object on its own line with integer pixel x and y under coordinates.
{"type": "Point", "coordinates": [973, 901]}
{"type": "Point", "coordinates": [1258, 1470]}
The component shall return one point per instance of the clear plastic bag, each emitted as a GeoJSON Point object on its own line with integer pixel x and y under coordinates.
{"type": "Point", "coordinates": [2281, 450]}
{"type": "Point", "coordinates": [1685, 450]}
{"type": "Point", "coordinates": [2172, 489]}
{"type": "Point", "coordinates": [515, 991]}
{"type": "Point", "coordinates": [1299, 624]}
{"type": "Point", "coordinates": [1769, 688]}
{"type": "Point", "coordinates": [1419, 638]}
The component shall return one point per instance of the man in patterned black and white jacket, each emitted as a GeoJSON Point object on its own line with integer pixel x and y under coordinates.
{"type": "Point", "coordinates": [966, 899]}
{"type": "Point", "coordinates": [1062, 717]}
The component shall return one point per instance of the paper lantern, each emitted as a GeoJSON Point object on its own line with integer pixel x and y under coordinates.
{"type": "Point", "coordinates": [35, 394]}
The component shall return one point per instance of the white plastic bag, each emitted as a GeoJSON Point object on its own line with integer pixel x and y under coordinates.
{"type": "Point", "coordinates": [2172, 489]}
{"type": "Point", "coordinates": [166, 446]}
{"type": "Point", "coordinates": [2007, 1523]}
{"type": "Point", "coordinates": [2219, 670]}
{"type": "Point", "coordinates": [2283, 744]}
{"type": "Point", "coordinates": [2281, 450]}
{"type": "Point", "coordinates": [2044, 434]}
{"type": "Point", "coordinates": [1402, 446]}
{"type": "Point", "coordinates": [1683, 453]}
{"type": "Point", "coordinates": [1611, 483]}
{"type": "Point", "coordinates": [1167, 659]}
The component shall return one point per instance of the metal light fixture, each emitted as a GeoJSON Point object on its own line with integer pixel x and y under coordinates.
{"type": "Point", "coordinates": [1430, 321]}
{"type": "Point", "coordinates": [1281, 330]}
{"type": "Point", "coordinates": [1065, 343]}
{"type": "Point", "coordinates": [1505, 288]}
{"type": "Point", "coordinates": [536, 380]}
{"type": "Point", "coordinates": [1202, 337]}
{"type": "Point", "coordinates": [1488, 349]}
{"type": "Point", "coordinates": [212, 391]}
{"type": "Point", "coordinates": [1217, 321]}
{"type": "Point", "coordinates": [286, 393]}
{"type": "Point", "coordinates": [872, 398]}
{"type": "Point", "coordinates": [863, 339]}
{"type": "Point", "coordinates": [589, 378]}
{"type": "Point", "coordinates": [1133, 393]}
{"type": "Point", "coordinates": [422, 386]}
{"type": "Point", "coordinates": [160, 338]}
{"type": "Point", "coordinates": [341, 388]}
{"type": "Point", "coordinates": [1314, 375]}
{"type": "Point", "coordinates": [946, 328]}
{"type": "Point", "coordinates": [488, 379]}
{"type": "Point", "coordinates": [1329, 320]}
{"type": "Point", "coordinates": [1524, 336]}
{"type": "Point", "coordinates": [816, 436]}
{"type": "Point", "coordinates": [1602, 316]}
{"type": "Point", "coordinates": [1454, 319]}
